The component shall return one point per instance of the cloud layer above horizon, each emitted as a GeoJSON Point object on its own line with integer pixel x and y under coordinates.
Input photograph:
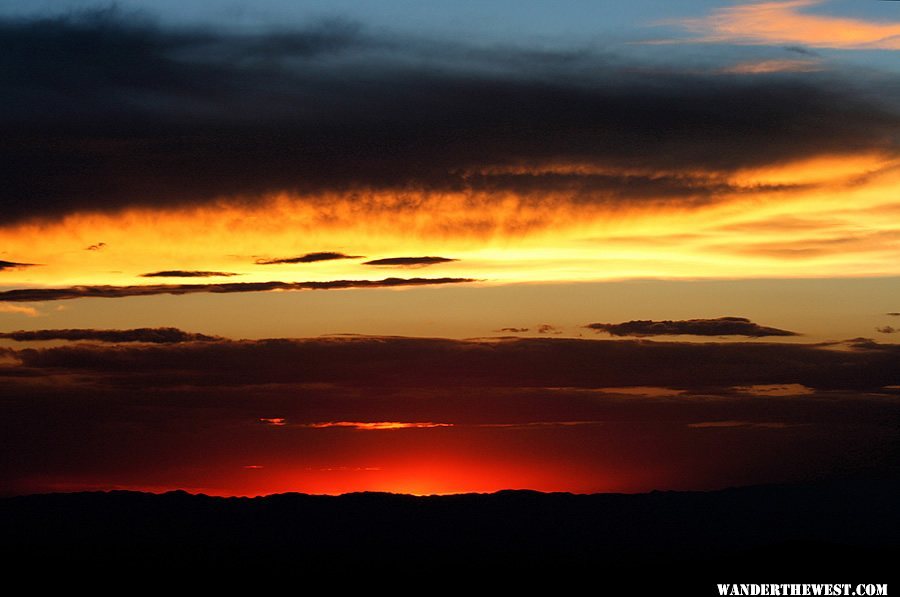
{"type": "Point", "coordinates": [485, 415]}
{"type": "Point", "coordinates": [740, 159]}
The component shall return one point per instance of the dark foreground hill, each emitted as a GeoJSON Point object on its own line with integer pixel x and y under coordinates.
{"type": "Point", "coordinates": [826, 532]}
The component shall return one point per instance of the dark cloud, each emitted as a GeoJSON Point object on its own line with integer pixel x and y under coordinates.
{"type": "Point", "coordinates": [893, 314]}
{"type": "Point", "coordinates": [102, 111]}
{"type": "Point", "coordinates": [13, 265]}
{"type": "Point", "coordinates": [151, 335]}
{"type": "Point", "coordinates": [546, 328]}
{"type": "Point", "coordinates": [170, 414]}
{"type": "Point", "coordinates": [512, 363]}
{"type": "Point", "coordinates": [74, 292]}
{"type": "Point", "coordinates": [178, 273]}
{"type": "Point", "coordinates": [801, 50]}
{"type": "Point", "coordinates": [409, 261]}
{"type": "Point", "coordinates": [722, 326]}
{"type": "Point", "coordinates": [887, 330]}
{"type": "Point", "coordinates": [513, 330]}
{"type": "Point", "coordinates": [309, 258]}
{"type": "Point", "coordinates": [96, 247]}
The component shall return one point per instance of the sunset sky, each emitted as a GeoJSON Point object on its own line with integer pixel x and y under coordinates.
{"type": "Point", "coordinates": [335, 246]}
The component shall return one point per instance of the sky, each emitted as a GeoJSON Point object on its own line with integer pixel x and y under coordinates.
{"type": "Point", "coordinates": [339, 246]}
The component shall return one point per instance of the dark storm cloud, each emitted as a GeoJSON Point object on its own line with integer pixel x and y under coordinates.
{"type": "Point", "coordinates": [722, 326]}
{"type": "Point", "coordinates": [409, 261]}
{"type": "Point", "coordinates": [179, 273]}
{"type": "Point", "coordinates": [13, 265]}
{"type": "Point", "coordinates": [151, 335]}
{"type": "Point", "coordinates": [101, 111]}
{"type": "Point", "coordinates": [887, 330]}
{"type": "Point", "coordinates": [74, 292]}
{"type": "Point", "coordinates": [511, 363]}
{"type": "Point", "coordinates": [308, 258]}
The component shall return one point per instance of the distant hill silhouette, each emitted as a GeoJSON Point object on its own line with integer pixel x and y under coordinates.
{"type": "Point", "coordinates": [822, 532]}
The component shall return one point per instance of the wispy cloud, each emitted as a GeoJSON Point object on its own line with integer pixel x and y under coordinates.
{"type": "Point", "coordinates": [308, 258]}
{"type": "Point", "coordinates": [74, 292]}
{"type": "Point", "coordinates": [13, 265]}
{"type": "Point", "coordinates": [21, 309]}
{"type": "Point", "coordinates": [788, 22]}
{"type": "Point", "coordinates": [762, 67]}
{"type": "Point", "coordinates": [789, 389]}
{"type": "Point", "coordinates": [375, 425]}
{"type": "Point", "coordinates": [274, 421]}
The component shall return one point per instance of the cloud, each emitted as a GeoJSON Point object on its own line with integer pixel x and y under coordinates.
{"type": "Point", "coordinates": [151, 335]}
{"type": "Point", "coordinates": [275, 422]}
{"type": "Point", "coordinates": [13, 265]}
{"type": "Point", "coordinates": [788, 389]}
{"type": "Point", "coordinates": [806, 248]}
{"type": "Point", "coordinates": [178, 273]}
{"type": "Point", "coordinates": [513, 362]}
{"type": "Point", "coordinates": [893, 314]}
{"type": "Point", "coordinates": [74, 292]}
{"type": "Point", "coordinates": [762, 67]}
{"type": "Point", "coordinates": [308, 258]}
{"type": "Point", "coordinates": [887, 330]}
{"type": "Point", "coordinates": [786, 22]}
{"type": "Point", "coordinates": [170, 414]}
{"type": "Point", "coordinates": [546, 328]}
{"type": "Point", "coordinates": [722, 326]}
{"type": "Point", "coordinates": [409, 261]}
{"type": "Point", "coordinates": [21, 309]}
{"type": "Point", "coordinates": [103, 113]}
{"type": "Point", "coordinates": [96, 247]}
{"type": "Point", "coordinates": [376, 425]}
{"type": "Point", "coordinates": [513, 330]}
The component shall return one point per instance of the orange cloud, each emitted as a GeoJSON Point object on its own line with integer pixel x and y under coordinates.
{"type": "Point", "coordinates": [761, 67]}
{"type": "Point", "coordinates": [748, 226]}
{"type": "Point", "coordinates": [766, 23]}
{"type": "Point", "coordinates": [376, 425]}
{"type": "Point", "coordinates": [275, 421]}
{"type": "Point", "coordinates": [22, 310]}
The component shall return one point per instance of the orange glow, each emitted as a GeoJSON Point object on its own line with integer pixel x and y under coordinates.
{"type": "Point", "coordinates": [785, 23]}
{"type": "Point", "coordinates": [277, 422]}
{"type": "Point", "coordinates": [376, 425]}
{"type": "Point", "coordinates": [747, 232]}
{"type": "Point", "coordinates": [27, 311]}
{"type": "Point", "coordinates": [772, 66]}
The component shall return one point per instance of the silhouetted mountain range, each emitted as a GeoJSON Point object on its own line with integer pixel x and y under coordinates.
{"type": "Point", "coordinates": [820, 532]}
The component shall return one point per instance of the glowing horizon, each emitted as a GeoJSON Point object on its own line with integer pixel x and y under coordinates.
{"type": "Point", "coordinates": [604, 247]}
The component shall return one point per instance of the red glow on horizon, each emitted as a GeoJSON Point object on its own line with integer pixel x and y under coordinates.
{"type": "Point", "coordinates": [276, 421]}
{"type": "Point", "coordinates": [376, 425]}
